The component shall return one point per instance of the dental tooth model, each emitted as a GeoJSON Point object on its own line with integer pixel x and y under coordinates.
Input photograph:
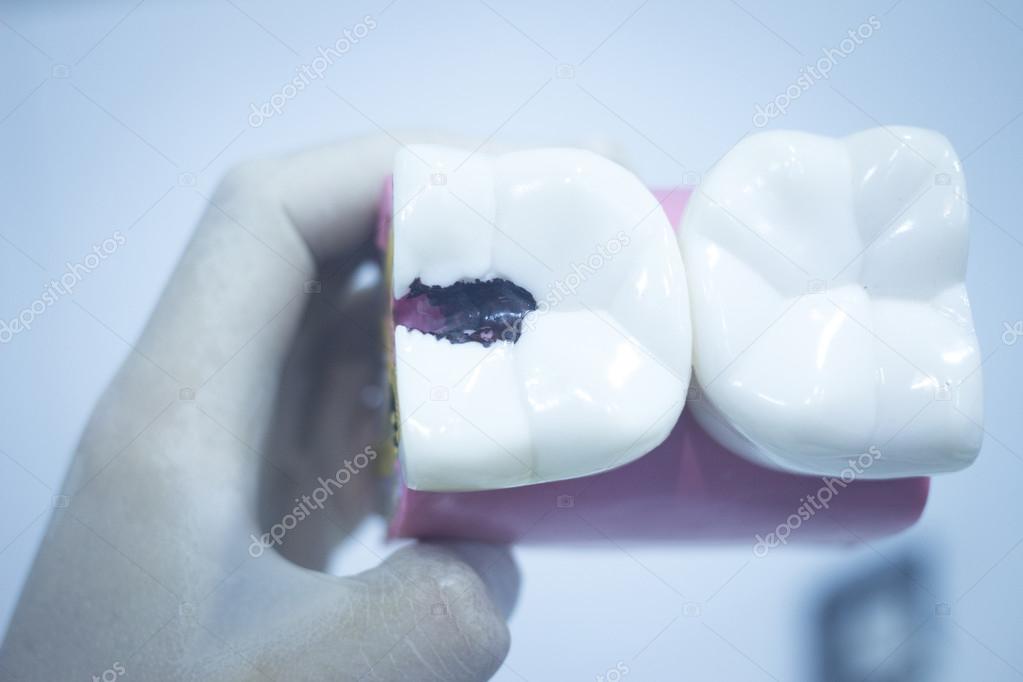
{"type": "Point", "coordinates": [831, 317]}
{"type": "Point", "coordinates": [541, 318]}
{"type": "Point", "coordinates": [687, 489]}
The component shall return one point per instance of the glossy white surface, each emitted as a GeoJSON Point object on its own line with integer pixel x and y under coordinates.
{"type": "Point", "coordinates": [598, 375]}
{"type": "Point", "coordinates": [829, 305]}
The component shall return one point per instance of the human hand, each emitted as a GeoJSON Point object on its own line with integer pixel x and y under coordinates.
{"type": "Point", "coordinates": [243, 389]}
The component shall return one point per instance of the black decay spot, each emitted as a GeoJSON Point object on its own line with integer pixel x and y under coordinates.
{"type": "Point", "coordinates": [479, 311]}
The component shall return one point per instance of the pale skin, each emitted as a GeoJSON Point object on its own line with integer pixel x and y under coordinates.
{"type": "Point", "coordinates": [244, 388]}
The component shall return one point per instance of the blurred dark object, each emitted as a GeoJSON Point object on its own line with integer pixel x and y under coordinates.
{"type": "Point", "coordinates": [870, 626]}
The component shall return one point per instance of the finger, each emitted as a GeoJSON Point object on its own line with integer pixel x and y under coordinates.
{"type": "Point", "coordinates": [421, 615]}
{"type": "Point", "coordinates": [455, 630]}
{"type": "Point", "coordinates": [495, 566]}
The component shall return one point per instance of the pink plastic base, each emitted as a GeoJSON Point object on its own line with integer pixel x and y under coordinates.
{"type": "Point", "coordinates": [687, 489]}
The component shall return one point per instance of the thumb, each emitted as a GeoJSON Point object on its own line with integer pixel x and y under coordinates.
{"type": "Point", "coordinates": [458, 632]}
{"type": "Point", "coordinates": [423, 614]}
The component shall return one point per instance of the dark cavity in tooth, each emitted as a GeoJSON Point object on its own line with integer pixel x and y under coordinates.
{"type": "Point", "coordinates": [478, 311]}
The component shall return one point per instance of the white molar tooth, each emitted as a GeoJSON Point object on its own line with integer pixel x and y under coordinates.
{"type": "Point", "coordinates": [829, 304]}
{"type": "Point", "coordinates": [597, 377]}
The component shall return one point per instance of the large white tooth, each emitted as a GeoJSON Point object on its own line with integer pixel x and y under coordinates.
{"type": "Point", "coordinates": [600, 372]}
{"type": "Point", "coordinates": [829, 304]}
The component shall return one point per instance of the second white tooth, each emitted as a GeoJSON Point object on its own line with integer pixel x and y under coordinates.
{"type": "Point", "coordinates": [829, 304]}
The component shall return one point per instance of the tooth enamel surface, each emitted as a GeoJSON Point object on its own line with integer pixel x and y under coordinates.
{"type": "Point", "coordinates": [599, 374]}
{"type": "Point", "coordinates": [829, 305]}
